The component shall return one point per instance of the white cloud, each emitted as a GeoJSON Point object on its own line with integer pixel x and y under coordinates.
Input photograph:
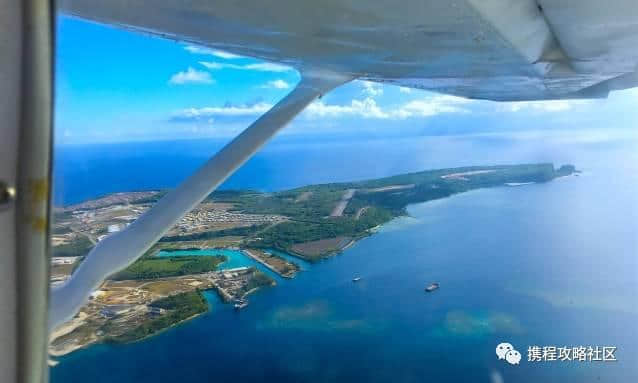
{"type": "Point", "coordinates": [371, 89]}
{"type": "Point", "coordinates": [208, 113]}
{"type": "Point", "coordinates": [365, 108]}
{"type": "Point", "coordinates": [268, 67]}
{"type": "Point", "coordinates": [276, 84]}
{"type": "Point", "coordinates": [262, 67]}
{"type": "Point", "coordinates": [368, 108]}
{"type": "Point", "coordinates": [225, 55]}
{"type": "Point", "coordinates": [191, 76]}
{"type": "Point", "coordinates": [431, 106]}
{"type": "Point", "coordinates": [542, 106]}
{"type": "Point", "coordinates": [403, 89]}
{"type": "Point", "coordinates": [195, 49]}
{"type": "Point", "coordinates": [215, 65]}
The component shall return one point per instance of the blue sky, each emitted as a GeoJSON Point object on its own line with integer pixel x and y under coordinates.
{"type": "Point", "coordinates": [114, 85]}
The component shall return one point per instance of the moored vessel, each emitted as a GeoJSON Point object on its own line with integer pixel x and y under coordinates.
{"type": "Point", "coordinates": [240, 304]}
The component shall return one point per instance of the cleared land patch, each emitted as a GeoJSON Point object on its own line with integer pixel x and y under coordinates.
{"type": "Point", "coordinates": [315, 249]}
{"type": "Point", "coordinates": [341, 205]}
{"type": "Point", "coordinates": [463, 176]}
{"type": "Point", "coordinates": [389, 188]}
{"type": "Point", "coordinates": [303, 197]}
{"type": "Point", "coordinates": [273, 262]}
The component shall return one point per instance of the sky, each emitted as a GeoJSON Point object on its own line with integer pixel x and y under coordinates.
{"type": "Point", "coordinates": [113, 85]}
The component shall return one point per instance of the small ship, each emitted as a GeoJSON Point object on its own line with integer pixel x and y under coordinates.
{"type": "Point", "coordinates": [356, 279]}
{"type": "Point", "coordinates": [240, 304]}
{"type": "Point", "coordinates": [433, 286]}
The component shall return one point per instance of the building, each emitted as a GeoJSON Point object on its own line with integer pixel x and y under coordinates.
{"type": "Point", "coordinates": [114, 228]}
{"type": "Point", "coordinates": [155, 310]}
{"type": "Point", "coordinates": [114, 310]}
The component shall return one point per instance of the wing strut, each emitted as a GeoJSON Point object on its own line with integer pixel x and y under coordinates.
{"type": "Point", "coordinates": [121, 249]}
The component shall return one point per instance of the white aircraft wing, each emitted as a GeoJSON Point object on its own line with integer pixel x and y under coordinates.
{"type": "Point", "coordinates": [485, 49]}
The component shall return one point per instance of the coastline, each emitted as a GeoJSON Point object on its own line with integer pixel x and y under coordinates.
{"type": "Point", "coordinates": [315, 251]}
{"type": "Point", "coordinates": [257, 258]}
{"type": "Point", "coordinates": [75, 346]}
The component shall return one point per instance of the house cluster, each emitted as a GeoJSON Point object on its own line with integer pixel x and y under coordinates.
{"type": "Point", "coordinates": [200, 220]}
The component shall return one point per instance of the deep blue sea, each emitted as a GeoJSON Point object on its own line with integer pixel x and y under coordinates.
{"type": "Point", "coordinates": [552, 264]}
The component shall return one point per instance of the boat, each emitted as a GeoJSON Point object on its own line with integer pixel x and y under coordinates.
{"type": "Point", "coordinates": [356, 279]}
{"type": "Point", "coordinates": [241, 304]}
{"type": "Point", "coordinates": [433, 286]}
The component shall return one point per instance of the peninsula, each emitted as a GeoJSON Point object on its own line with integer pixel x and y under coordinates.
{"type": "Point", "coordinates": [275, 231]}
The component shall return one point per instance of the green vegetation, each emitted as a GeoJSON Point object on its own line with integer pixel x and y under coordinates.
{"type": "Point", "coordinates": [160, 267]}
{"type": "Point", "coordinates": [79, 246]}
{"type": "Point", "coordinates": [151, 199]}
{"type": "Point", "coordinates": [174, 302]}
{"type": "Point", "coordinates": [229, 196]}
{"type": "Point", "coordinates": [373, 205]}
{"type": "Point", "coordinates": [285, 234]}
{"type": "Point", "coordinates": [257, 280]}
{"type": "Point", "coordinates": [180, 307]}
{"type": "Point", "coordinates": [374, 202]}
{"type": "Point", "coordinates": [185, 249]}
{"type": "Point", "coordinates": [318, 205]}
{"type": "Point", "coordinates": [236, 231]}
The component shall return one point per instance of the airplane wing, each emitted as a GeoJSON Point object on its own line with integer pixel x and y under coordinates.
{"type": "Point", "coordinates": [506, 50]}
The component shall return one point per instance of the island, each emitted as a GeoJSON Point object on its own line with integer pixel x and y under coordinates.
{"type": "Point", "coordinates": [276, 231]}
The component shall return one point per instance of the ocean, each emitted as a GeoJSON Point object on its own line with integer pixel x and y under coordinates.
{"type": "Point", "coordinates": [547, 265]}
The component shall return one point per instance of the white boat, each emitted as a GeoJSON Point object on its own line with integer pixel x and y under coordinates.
{"type": "Point", "coordinates": [432, 287]}
{"type": "Point", "coordinates": [241, 304]}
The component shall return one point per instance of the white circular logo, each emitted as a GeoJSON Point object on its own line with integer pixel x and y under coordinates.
{"type": "Point", "coordinates": [505, 351]}
{"type": "Point", "coordinates": [502, 349]}
{"type": "Point", "coordinates": [513, 357]}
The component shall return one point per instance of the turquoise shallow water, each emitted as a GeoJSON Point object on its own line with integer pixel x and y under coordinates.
{"type": "Point", "coordinates": [552, 264]}
{"type": "Point", "coordinates": [235, 258]}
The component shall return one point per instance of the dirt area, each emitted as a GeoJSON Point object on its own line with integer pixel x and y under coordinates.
{"type": "Point", "coordinates": [120, 306]}
{"type": "Point", "coordinates": [112, 199]}
{"type": "Point", "coordinates": [323, 246]}
{"type": "Point", "coordinates": [61, 269]}
{"type": "Point", "coordinates": [60, 239]}
{"type": "Point", "coordinates": [303, 196]}
{"type": "Point", "coordinates": [360, 212]}
{"type": "Point", "coordinates": [390, 188]}
{"type": "Point", "coordinates": [341, 205]}
{"type": "Point", "coordinates": [463, 176]}
{"type": "Point", "coordinates": [99, 218]}
{"type": "Point", "coordinates": [277, 264]}
{"type": "Point", "coordinates": [170, 287]}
